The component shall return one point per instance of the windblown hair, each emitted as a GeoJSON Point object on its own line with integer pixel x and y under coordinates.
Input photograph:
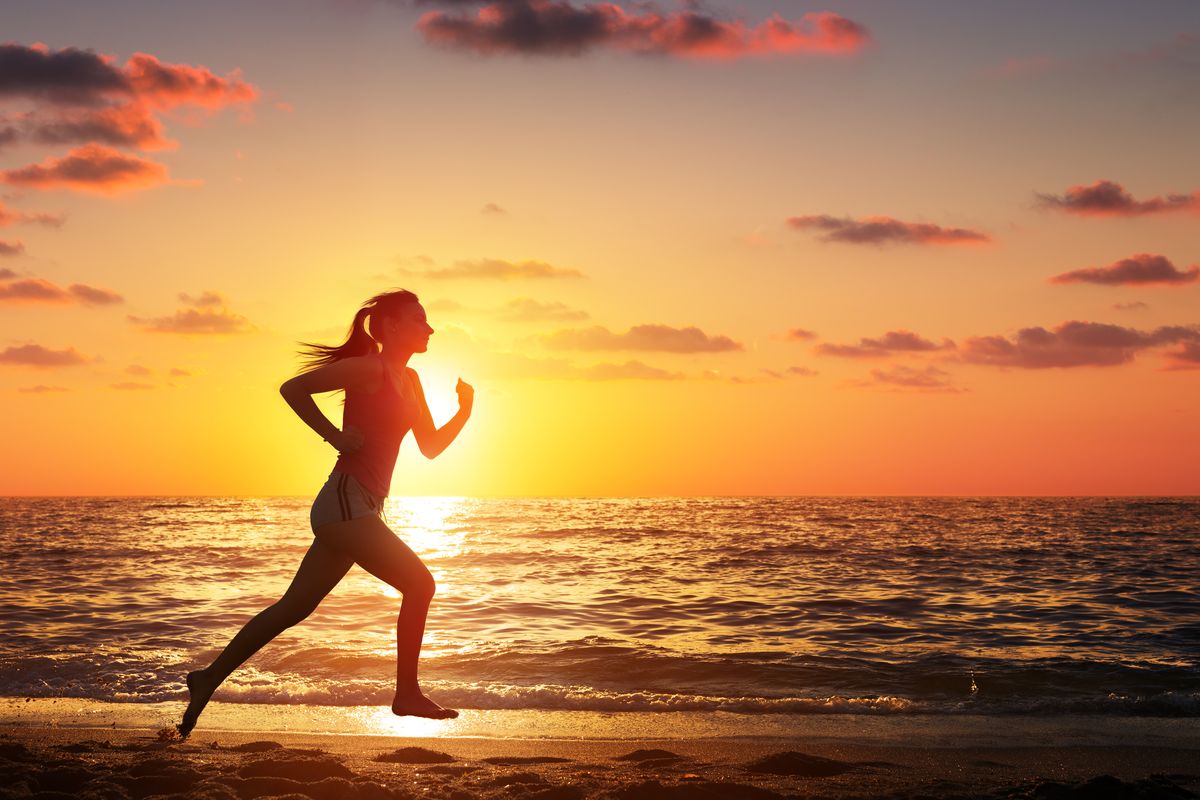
{"type": "Point", "coordinates": [362, 339]}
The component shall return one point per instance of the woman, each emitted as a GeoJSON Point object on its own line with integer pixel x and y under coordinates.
{"type": "Point", "coordinates": [384, 400]}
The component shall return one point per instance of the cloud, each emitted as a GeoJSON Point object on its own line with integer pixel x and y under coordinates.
{"type": "Point", "coordinates": [804, 372]}
{"type": "Point", "coordinates": [206, 299]}
{"type": "Point", "coordinates": [11, 216]}
{"type": "Point", "coordinates": [799, 335]}
{"type": "Point", "coordinates": [138, 369]}
{"type": "Point", "coordinates": [662, 338]}
{"type": "Point", "coordinates": [41, 388]}
{"type": "Point", "coordinates": [1071, 344]}
{"type": "Point", "coordinates": [34, 355]}
{"type": "Point", "coordinates": [526, 309]}
{"type": "Point", "coordinates": [891, 342]}
{"type": "Point", "coordinates": [196, 321]}
{"type": "Point", "coordinates": [1108, 199]}
{"type": "Point", "coordinates": [6, 274]}
{"type": "Point", "coordinates": [1138, 270]}
{"type": "Point", "coordinates": [124, 126]}
{"type": "Point", "coordinates": [1186, 357]}
{"type": "Point", "coordinates": [555, 28]}
{"type": "Point", "coordinates": [928, 378]}
{"type": "Point", "coordinates": [1136, 305]}
{"type": "Point", "coordinates": [176, 372]}
{"type": "Point", "coordinates": [82, 96]}
{"type": "Point", "coordinates": [492, 208]}
{"type": "Point", "coordinates": [496, 269]}
{"type": "Point", "coordinates": [1021, 67]}
{"type": "Point", "coordinates": [90, 168]}
{"type": "Point", "coordinates": [14, 248]}
{"type": "Point", "coordinates": [885, 230]}
{"type": "Point", "coordinates": [132, 385]}
{"type": "Point", "coordinates": [93, 296]}
{"type": "Point", "coordinates": [40, 290]}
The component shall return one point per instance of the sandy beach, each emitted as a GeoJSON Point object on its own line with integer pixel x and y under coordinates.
{"type": "Point", "coordinates": [118, 763]}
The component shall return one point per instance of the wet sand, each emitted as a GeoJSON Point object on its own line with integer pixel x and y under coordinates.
{"type": "Point", "coordinates": [121, 763]}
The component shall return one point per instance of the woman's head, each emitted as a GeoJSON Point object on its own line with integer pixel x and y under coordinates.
{"type": "Point", "coordinates": [394, 318]}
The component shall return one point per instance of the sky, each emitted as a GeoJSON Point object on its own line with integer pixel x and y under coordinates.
{"type": "Point", "coordinates": [697, 248]}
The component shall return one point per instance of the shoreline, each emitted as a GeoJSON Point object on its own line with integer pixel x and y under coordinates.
{"type": "Point", "coordinates": [248, 764]}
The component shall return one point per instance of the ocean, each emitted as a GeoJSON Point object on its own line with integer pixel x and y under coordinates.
{"type": "Point", "coordinates": [716, 616]}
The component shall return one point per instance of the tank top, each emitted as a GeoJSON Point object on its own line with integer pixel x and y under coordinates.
{"type": "Point", "coordinates": [383, 417]}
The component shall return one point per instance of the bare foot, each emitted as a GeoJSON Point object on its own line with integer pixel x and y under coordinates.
{"type": "Point", "coordinates": [200, 690]}
{"type": "Point", "coordinates": [418, 705]}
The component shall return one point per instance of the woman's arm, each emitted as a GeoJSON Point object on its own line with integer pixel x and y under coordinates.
{"type": "Point", "coordinates": [298, 391]}
{"type": "Point", "coordinates": [433, 440]}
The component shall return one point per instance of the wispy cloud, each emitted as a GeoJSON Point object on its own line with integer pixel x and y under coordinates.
{"type": "Point", "coordinates": [1108, 199]}
{"type": "Point", "coordinates": [492, 269]}
{"type": "Point", "coordinates": [663, 338]}
{"type": "Point", "coordinates": [12, 216]}
{"type": "Point", "coordinates": [526, 309]}
{"type": "Point", "coordinates": [1142, 269]}
{"type": "Point", "coordinates": [1072, 344]}
{"type": "Point", "coordinates": [928, 378]}
{"type": "Point", "coordinates": [900, 341]}
{"type": "Point", "coordinates": [42, 388]}
{"type": "Point", "coordinates": [799, 335]}
{"type": "Point", "coordinates": [555, 28]}
{"type": "Point", "coordinates": [885, 230]}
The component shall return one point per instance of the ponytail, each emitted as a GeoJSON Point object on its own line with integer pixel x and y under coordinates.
{"type": "Point", "coordinates": [359, 342]}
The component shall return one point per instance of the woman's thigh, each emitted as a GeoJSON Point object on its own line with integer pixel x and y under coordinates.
{"type": "Point", "coordinates": [374, 547]}
{"type": "Point", "coordinates": [320, 570]}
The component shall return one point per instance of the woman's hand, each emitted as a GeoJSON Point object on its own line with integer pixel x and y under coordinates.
{"type": "Point", "coordinates": [466, 395]}
{"type": "Point", "coordinates": [347, 441]}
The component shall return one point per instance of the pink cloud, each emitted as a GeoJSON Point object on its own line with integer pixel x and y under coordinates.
{"type": "Point", "coordinates": [40, 290]}
{"type": "Point", "coordinates": [1071, 344]}
{"type": "Point", "coordinates": [11, 216]}
{"type": "Point", "coordinates": [1142, 269]}
{"type": "Point", "coordinates": [1186, 357]}
{"type": "Point", "coordinates": [1108, 199]}
{"type": "Point", "coordinates": [885, 230]}
{"type": "Point", "coordinates": [891, 342]}
{"type": "Point", "coordinates": [551, 27]}
{"type": "Point", "coordinates": [90, 168]}
{"type": "Point", "coordinates": [11, 248]}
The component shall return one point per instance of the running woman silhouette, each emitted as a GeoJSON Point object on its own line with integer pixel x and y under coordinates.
{"type": "Point", "coordinates": [384, 400]}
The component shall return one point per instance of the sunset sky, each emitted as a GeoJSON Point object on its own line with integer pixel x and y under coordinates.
{"type": "Point", "coordinates": [690, 248]}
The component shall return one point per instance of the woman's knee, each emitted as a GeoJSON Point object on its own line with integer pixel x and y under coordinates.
{"type": "Point", "coordinates": [420, 588]}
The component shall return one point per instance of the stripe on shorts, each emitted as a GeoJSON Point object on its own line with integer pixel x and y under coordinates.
{"type": "Point", "coordinates": [343, 501]}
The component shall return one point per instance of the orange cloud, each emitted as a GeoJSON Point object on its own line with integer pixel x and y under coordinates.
{"type": "Point", "coordinates": [640, 337]}
{"type": "Point", "coordinates": [551, 27]}
{"type": "Point", "coordinates": [1186, 357]}
{"type": "Point", "coordinates": [1072, 344]}
{"type": "Point", "coordinates": [885, 230]}
{"type": "Point", "coordinates": [206, 315]}
{"type": "Point", "coordinates": [34, 355]}
{"type": "Point", "coordinates": [39, 290]}
{"type": "Point", "coordinates": [10, 216]}
{"type": "Point", "coordinates": [1108, 199]}
{"type": "Point", "coordinates": [14, 248]}
{"type": "Point", "coordinates": [1142, 269]}
{"type": "Point", "coordinates": [891, 342]}
{"type": "Point", "coordinates": [799, 335]}
{"type": "Point", "coordinates": [130, 125]}
{"type": "Point", "coordinates": [90, 168]}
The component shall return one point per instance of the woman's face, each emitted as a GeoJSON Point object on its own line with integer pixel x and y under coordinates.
{"type": "Point", "coordinates": [408, 328]}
